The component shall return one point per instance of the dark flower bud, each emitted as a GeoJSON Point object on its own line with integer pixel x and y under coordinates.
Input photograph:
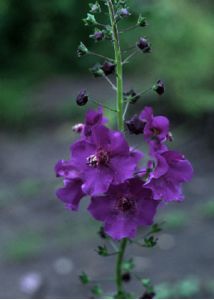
{"type": "Point", "coordinates": [82, 50]}
{"type": "Point", "coordinates": [98, 35]}
{"type": "Point", "coordinates": [108, 68]}
{"type": "Point", "coordinates": [135, 125]}
{"type": "Point", "coordinates": [90, 20]}
{"type": "Point", "coordinates": [126, 277]}
{"type": "Point", "coordinates": [142, 21]}
{"type": "Point", "coordinates": [144, 45]}
{"type": "Point", "coordinates": [159, 87]}
{"type": "Point", "coordinates": [82, 98]}
{"type": "Point", "coordinates": [123, 12]}
{"type": "Point", "coordinates": [97, 71]}
{"type": "Point", "coordinates": [95, 7]}
{"type": "Point", "coordinates": [131, 96]}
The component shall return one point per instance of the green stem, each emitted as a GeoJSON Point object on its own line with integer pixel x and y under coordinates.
{"type": "Point", "coordinates": [119, 65]}
{"type": "Point", "coordinates": [120, 256]}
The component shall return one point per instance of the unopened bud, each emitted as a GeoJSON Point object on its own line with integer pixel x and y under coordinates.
{"type": "Point", "coordinates": [82, 98]}
{"type": "Point", "coordinates": [82, 50]}
{"type": "Point", "coordinates": [159, 87]}
{"type": "Point", "coordinates": [131, 96]}
{"type": "Point", "coordinates": [123, 12]}
{"type": "Point", "coordinates": [98, 35]}
{"type": "Point", "coordinates": [108, 68]}
{"type": "Point", "coordinates": [135, 125]}
{"type": "Point", "coordinates": [142, 21]}
{"type": "Point", "coordinates": [144, 45]}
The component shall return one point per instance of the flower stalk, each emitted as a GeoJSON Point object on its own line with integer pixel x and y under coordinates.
{"type": "Point", "coordinates": [120, 257]}
{"type": "Point", "coordinates": [119, 65]}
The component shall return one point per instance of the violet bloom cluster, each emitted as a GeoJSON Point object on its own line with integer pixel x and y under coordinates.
{"type": "Point", "coordinates": [104, 167]}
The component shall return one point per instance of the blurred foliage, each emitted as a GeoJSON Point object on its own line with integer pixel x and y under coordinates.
{"type": "Point", "coordinates": [39, 38]}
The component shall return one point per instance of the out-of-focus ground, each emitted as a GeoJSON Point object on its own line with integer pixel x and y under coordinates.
{"type": "Point", "coordinates": [39, 235]}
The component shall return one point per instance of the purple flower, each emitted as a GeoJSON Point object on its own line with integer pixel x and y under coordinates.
{"type": "Point", "coordinates": [155, 127]}
{"type": "Point", "coordinates": [103, 160]}
{"type": "Point", "coordinates": [123, 208]}
{"type": "Point", "coordinates": [71, 193]}
{"type": "Point", "coordinates": [170, 171]}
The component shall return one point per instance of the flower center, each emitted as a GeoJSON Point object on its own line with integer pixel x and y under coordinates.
{"type": "Point", "coordinates": [101, 158]}
{"type": "Point", "coordinates": [155, 131]}
{"type": "Point", "coordinates": [125, 204]}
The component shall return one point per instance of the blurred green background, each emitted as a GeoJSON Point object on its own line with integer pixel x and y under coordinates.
{"type": "Point", "coordinates": [40, 76]}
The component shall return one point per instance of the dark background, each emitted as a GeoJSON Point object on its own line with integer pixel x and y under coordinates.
{"type": "Point", "coordinates": [40, 77]}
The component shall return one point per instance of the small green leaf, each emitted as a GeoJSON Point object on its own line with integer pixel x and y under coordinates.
{"type": "Point", "coordinates": [84, 278]}
{"type": "Point", "coordinates": [150, 242]}
{"type": "Point", "coordinates": [102, 251]}
{"type": "Point", "coordinates": [128, 265]}
{"type": "Point", "coordinates": [95, 7]}
{"type": "Point", "coordinates": [97, 291]}
{"type": "Point", "coordinates": [90, 20]}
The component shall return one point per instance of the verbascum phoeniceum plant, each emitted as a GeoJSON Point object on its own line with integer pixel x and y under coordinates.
{"type": "Point", "coordinates": [125, 188]}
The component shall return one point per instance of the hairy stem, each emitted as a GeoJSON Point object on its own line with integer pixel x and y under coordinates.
{"type": "Point", "coordinates": [119, 65]}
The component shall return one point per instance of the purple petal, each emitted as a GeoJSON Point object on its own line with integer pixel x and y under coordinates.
{"type": "Point", "coordinates": [97, 180]}
{"type": "Point", "coordinates": [101, 136]}
{"type": "Point", "coordinates": [100, 207]}
{"type": "Point", "coordinates": [119, 226]}
{"type": "Point", "coordinates": [147, 114]}
{"type": "Point", "coordinates": [71, 193]}
{"type": "Point", "coordinates": [146, 207]}
{"type": "Point", "coordinates": [118, 144]}
{"type": "Point", "coordinates": [123, 168]}
{"type": "Point", "coordinates": [165, 189]}
{"type": "Point", "coordinates": [180, 169]}
{"type": "Point", "coordinates": [80, 151]}
{"type": "Point", "coordinates": [65, 169]}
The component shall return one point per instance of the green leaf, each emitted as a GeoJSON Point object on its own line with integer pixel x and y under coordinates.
{"type": "Point", "coordinates": [84, 278]}
{"type": "Point", "coordinates": [150, 242]}
{"type": "Point", "coordinates": [97, 291]}
{"type": "Point", "coordinates": [128, 265]}
{"type": "Point", "coordinates": [90, 20]}
{"type": "Point", "coordinates": [102, 251]}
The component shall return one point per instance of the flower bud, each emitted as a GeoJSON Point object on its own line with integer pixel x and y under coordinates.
{"type": "Point", "coordinates": [131, 96]}
{"type": "Point", "coordinates": [90, 20]}
{"type": "Point", "coordinates": [144, 45]}
{"type": "Point", "coordinates": [78, 128]}
{"type": "Point", "coordinates": [123, 12]}
{"type": "Point", "coordinates": [108, 68]}
{"type": "Point", "coordinates": [126, 277]}
{"type": "Point", "coordinates": [95, 7]}
{"type": "Point", "coordinates": [98, 35]}
{"type": "Point", "coordinates": [135, 125]}
{"type": "Point", "coordinates": [82, 98]}
{"type": "Point", "coordinates": [142, 21]}
{"type": "Point", "coordinates": [82, 50]}
{"type": "Point", "coordinates": [159, 87]}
